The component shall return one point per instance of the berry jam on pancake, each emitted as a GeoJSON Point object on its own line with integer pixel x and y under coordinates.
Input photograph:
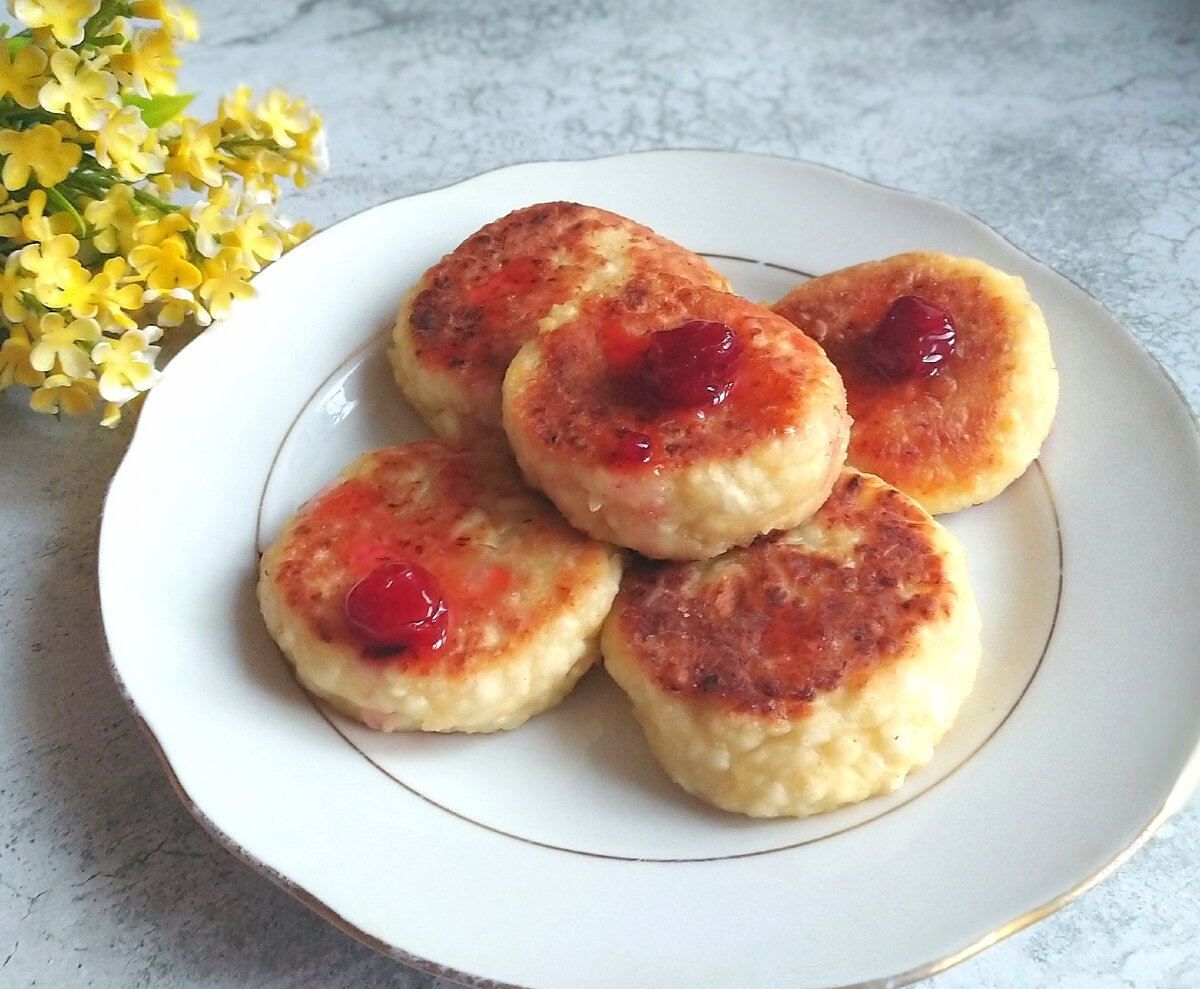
{"type": "Point", "coordinates": [427, 588]}
{"type": "Point", "coordinates": [755, 447]}
{"type": "Point", "coordinates": [960, 434]}
{"type": "Point", "coordinates": [521, 275]}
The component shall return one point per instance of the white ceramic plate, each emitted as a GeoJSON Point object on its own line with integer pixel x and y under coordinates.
{"type": "Point", "coordinates": [559, 855]}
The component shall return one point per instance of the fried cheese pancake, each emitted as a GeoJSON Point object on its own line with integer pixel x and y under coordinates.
{"type": "Point", "coordinates": [675, 482]}
{"type": "Point", "coordinates": [812, 669]}
{"type": "Point", "coordinates": [960, 435]}
{"type": "Point", "coordinates": [520, 594]}
{"type": "Point", "coordinates": [523, 274]}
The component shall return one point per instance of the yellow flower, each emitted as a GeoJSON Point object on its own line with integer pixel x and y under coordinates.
{"type": "Point", "coordinates": [163, 228]}
{"type": "Point", "coordinates": [112, 216]}
{"type": "Point", "coordinates": [163, 185]}
{"type": "Point", "coordinates": [127, 364]}
{"type": "Point", "coordinates": [123, 142]}
{"type": "Point", "coordinates": [14, 283]}
{"type": "Point", "coordinates": [176, 306]}
{"type": "Point", "coordinates": [36, 226]}
{"type": "Point", "coordinates": [283, 117]}
{"type": "Point", "coordinates": [113, 219]}
{"type": "Point", "coordinates": [254, 236]}
{"type": "Point", "coordinates": [296, 233]}
{"type": "Point", "coordinates": [69, 132]}
{"type": "Point", "coordinates": [164, 267]}
{"type": "Point", "coordinates": [211, 221]}
{"type": "Point", "coordinates": [46, 263]}
{"type": "Point", "coordinates": [15, 368]}
{"type": "Point", "coordinates": [21, 75]}
{"type": "Point", "coordinates": [66, 287]}
{"type": "Point", "coordinates": [110, 298]}
{"type": "Point", "coordinates": [62, 393]}
{"type": "Point", "coordinates": [149, 65]}
{"type": "Point", "coordinates": [311, 153]}
{"type": "Point", "coordinates": [193, 156]}
{"type": "Point", "coordinates": [258, 168]}
{"type": "Point", "coordinates": [60, 341]}
{"type": "Point", "coordinates": [10, 223]}
{"type": "Point", "coordinates": [119, 28]}
{"type": "Point", "coordinates": [64, 18]}
{"type": "Point", "coordinates": [115, 34]}
{"type": "Point", "coordinates": [177, 21]}
{"type": "Point", "coordinates": [226, 278]}
{"type": "Point", "coordinates": [234, 114]}
{"type": "Point", "coordinates": [80, 86]}
{"type": "Point", "coordinates": [41, 150]}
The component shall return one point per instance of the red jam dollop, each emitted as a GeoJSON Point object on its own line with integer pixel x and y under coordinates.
{"type": "Point", "coordinates": [690, 366]}
{"type": "Point", "coordinates": [398, 606]}
{"type": "Point", "coordinates": [913, 339]}
{"type": "Point", "coordinates": [633, 449]}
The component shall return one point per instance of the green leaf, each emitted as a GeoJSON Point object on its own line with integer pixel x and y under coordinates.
{"type": "Point", "coordinates": [17, 42]}
{"type": "Point", "coordinates": [158, 109]}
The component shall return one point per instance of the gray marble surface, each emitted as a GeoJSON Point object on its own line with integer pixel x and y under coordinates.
{"type": "Point", "coordinates": [1073, 128]}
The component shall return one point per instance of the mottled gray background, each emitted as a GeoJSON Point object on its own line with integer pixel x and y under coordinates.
{"type": "Point", "coordinates": [1072, 127]}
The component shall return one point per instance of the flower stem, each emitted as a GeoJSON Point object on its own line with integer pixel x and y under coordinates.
{"type": "Point", "coordinates": [19, 118]}
{"type": "Point", "coordinates": [103, 17]}
{"type": "Point", "coordinates": [149, 199]}
{"type": "Point", "coordinates": [64, 204]}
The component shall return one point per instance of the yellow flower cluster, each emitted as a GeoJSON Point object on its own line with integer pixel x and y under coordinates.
{"type": "Point", "coordinates": [119, 214]}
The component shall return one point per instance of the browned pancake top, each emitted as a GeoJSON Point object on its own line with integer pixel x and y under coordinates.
{"type": "Point", "coordinates": [477, 305]}
{"type": "Point", "coordinates": [496, 550]}
{"type": "Point", "coordinates": [767, 628]}
{"type": "Point", "coordinates": [586, 396]}
{"type": "Point", "coordinates": [926, 430]}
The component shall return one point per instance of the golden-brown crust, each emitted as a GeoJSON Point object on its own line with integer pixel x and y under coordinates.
{"type": "Point", "coordinates": [586, 394]}
{"type": "Point", "coordinates": [475, 307]}
{"type": "Point", "coordinates": [448, 510]}
{"type": "Point", "coordinates": [765, 629]}
{"type": "Point", "coordinates": [941, 437]}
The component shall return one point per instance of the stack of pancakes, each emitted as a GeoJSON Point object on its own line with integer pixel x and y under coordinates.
{"type": "Point", "coordinates": [764, 579]}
